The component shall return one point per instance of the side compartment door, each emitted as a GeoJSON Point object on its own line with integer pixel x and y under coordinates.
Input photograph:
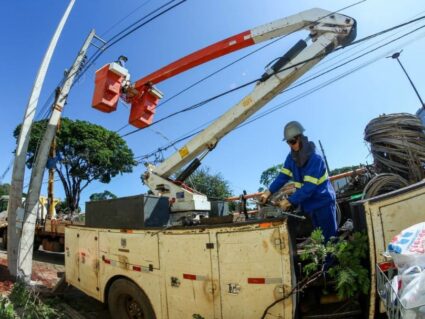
{"type": "Point", "coordinates": [71, 256]}
{"type": "Point", "coordinates": [255, 270]}
{"type": "Point", "coordinates": [81, 259]}
{"type": "Point", "coordinates": [188, 279]}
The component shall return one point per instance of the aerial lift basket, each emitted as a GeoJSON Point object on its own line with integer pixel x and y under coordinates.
{"type": "Point", "coordinates": [108, 83]}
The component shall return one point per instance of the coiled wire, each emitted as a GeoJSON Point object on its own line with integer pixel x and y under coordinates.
{"type": "Point", "coordinates": [383, 183]}
{"type": "Point", "coordinates": [397, 143]}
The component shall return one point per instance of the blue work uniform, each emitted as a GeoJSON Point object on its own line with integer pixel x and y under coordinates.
{"type": "Point", "coordinates": [314, 191]}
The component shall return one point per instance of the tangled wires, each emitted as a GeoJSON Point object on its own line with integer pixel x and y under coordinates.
{"type": "Point", "coordinates": [397, 143]}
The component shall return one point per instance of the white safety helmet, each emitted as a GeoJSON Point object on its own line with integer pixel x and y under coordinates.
{"type": "Point", "coordinates": [292, 129]}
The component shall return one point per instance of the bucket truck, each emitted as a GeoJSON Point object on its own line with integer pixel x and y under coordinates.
{"type": "Point", "coordinates": [134, 255]}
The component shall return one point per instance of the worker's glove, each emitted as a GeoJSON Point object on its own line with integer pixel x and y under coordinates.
{"type": "Point", "coordinates": [284, 205]}
{"type": "Point", "coordinates": [264, 197]}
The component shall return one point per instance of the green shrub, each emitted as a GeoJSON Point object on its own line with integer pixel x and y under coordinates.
{"type": "Point", "coordinates": [6, 309]}
{"type": "Point", "coordinates": [351, 277]}
{"type": "Point", "coordinates": [27, 303]}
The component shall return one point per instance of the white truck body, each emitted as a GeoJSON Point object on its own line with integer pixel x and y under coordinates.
{"type": "Point", "coordinates": [233, 271]}
{"type": "Point", "coordinates": [225, 271]}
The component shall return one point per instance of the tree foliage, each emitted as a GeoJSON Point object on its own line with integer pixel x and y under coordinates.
{"type": "Point", "coordinates": [102, 196]}
{"type": "Point", "coordinates": [352, 278]}
{"type": "Point", "coordinates": [85, 152]}
{"type": "Point", "coordinates": [212, 185]}
{"type": "Point", "coordinates": [268, 176]}
{"type": "Point", "coordinates": [4, 189]}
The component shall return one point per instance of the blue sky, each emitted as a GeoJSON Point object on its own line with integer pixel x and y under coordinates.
{"type": "Point", "coordinates": [336, 114]}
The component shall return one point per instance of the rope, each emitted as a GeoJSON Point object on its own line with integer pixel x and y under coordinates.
{"type": "Point", "coordinates": [397, 144]}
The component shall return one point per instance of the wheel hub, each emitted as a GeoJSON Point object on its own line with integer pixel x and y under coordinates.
{"type": "Point", "coordinates": [133, 309]}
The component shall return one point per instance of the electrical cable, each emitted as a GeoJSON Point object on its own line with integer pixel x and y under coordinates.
{"type": "Point", "coordinates": [88, 64]}
{"type": "Point", "coordinates": [6, 170]}
{"type": "Point", "coordinates": [335, 56]}
{"type": "Point", "coordinates": [382, 184]}
{"type": "Point", "coordinates": [197, 129]}
{"type": "Point", "coordinates": [199, 104]}
{"type": "Point", "coordinates": [125, 17]}
{"type": "Point", "coordinates": [135, 25]}
{"type": "Point", "coordinates": [46, 109]}
{"type": "Point", "coordinates": [252, 52]}
{"type": "Point", "coordinates": [275, 108]}
{"type": "Point", "coordinates": [124, 33]}
{"type": "Point", "coordinates": [296, 98]}
{"type": "Point", "coordinates": [244, 57]}
{"type": "Point", "coordinates": [397, 144]}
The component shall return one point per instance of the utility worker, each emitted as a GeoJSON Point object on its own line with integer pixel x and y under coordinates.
{"type": "Point", "coordinates": [307, 170]}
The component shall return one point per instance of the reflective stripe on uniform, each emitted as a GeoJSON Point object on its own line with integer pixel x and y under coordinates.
{"type": "Point", "coordinates": [316, 181]}
{"type": "Point", "coordinates": [298, 185]}
{"type": "Point", "coordinates": [286, 172]}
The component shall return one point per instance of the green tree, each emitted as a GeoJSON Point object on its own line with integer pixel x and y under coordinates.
{"type": "Point", "coordinates": [102, 196]}
{"type": "Point", "coordinates": [86, 152]}
{"type": "Point", "coordinates": [268, 176]}
{"type": "Point", "coordinates": [4, 189]}
{"type": "Point", "coordinates": [212, 185]}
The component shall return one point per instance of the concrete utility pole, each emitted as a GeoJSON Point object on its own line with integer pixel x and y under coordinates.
{"type": "Point", "coordinates": [31, 206]}
{"type": "Point", "coordinates": [16, 189]}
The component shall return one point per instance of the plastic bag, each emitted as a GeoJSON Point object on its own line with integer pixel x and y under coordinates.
{"type": "Point", "coordinates": [408, 248]}
{"type": "Point", "coordinates": [413, 314]}
{"type": "Point", "coordinates": [412, 292]}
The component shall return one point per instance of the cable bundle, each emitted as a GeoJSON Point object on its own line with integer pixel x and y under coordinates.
{"type": "Point", "coordinates": [397, 143]}
{"type": "Point", "coordinates": [382, 184]}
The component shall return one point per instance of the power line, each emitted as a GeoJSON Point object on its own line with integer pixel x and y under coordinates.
{"type": "Point", "coordinates": [252, 52]}
{"type": "Point", "coordinates": [46, 109]}
{"type": "Point", "coordinates": [242, 58]}
{"type": "Point", "coordinates": [359, 56]}
{"type": "Point", "coordinates": [125, 17]}
{"type": "Point", "coordinates": [6, 171]}
{"type": "Point", "coordinates": [297, 83]}
{"type": "Point", "coordinates": [129, 30]}
{"type": "Point", "coordinates": [300, 95]}
{"type": "Point", "coordinates": [199, 104]}
{"type": "Point", "coordinates": [134, 27]}
{"type": "Point", "coordinates": [312, 74]}
{"type": "Point", "coordinates": [88, 64]}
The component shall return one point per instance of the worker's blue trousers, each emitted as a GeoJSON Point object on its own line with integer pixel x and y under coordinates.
{"type": "Point", "coordinates": [325, 219]}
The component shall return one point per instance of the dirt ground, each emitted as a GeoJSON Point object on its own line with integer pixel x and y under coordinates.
{"type": "Point", "coordinates": [47, 270]}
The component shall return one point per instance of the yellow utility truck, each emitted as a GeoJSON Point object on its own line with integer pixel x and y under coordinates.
{"type": "Point", "coordinates": [49, 231]}
{"type": "Point", "coordinates": [167, 255]}
{"type": "Point", "coordinates": [229, 270]}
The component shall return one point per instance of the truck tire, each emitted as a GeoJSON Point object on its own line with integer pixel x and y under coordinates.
{"type": "Point", "coordinates": [127, 300]}
{"type": "Point", "coordinates": [4, 239]}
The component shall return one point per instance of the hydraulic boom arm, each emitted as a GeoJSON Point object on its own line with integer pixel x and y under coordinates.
{"type": "Point", "coordinates": [327, 31]}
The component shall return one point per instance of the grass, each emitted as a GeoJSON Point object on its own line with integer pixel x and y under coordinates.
{"type": "Point", "coordinates": [25, 303]}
